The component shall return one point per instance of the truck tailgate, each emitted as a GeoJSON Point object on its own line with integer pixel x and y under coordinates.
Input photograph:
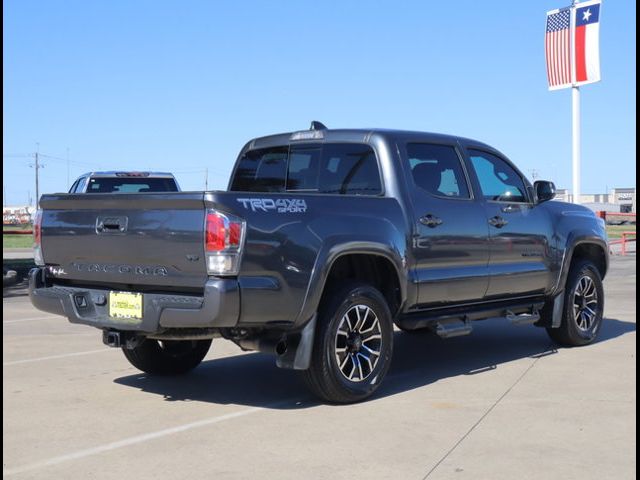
{"type": "Point", "coordinates": [143, 239]}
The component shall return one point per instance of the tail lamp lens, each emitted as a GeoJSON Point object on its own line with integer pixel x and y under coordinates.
{"type": "Point", "coordinates": [223, 240]}
{"type": "Point", "coordinates": [216, 232]}
{"type": "Point", "coordinates": [37, 238]}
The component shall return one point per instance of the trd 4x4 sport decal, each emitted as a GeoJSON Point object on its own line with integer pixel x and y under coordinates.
{"type": "Point", "coordinates": [280, 205]}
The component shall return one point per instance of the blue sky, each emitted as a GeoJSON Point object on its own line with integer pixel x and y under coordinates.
{"type": "Point", "coordinates": [181, 86]}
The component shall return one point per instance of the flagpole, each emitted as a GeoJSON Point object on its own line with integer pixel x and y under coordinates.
{"type": "Point", "coordinates": [575, 117]}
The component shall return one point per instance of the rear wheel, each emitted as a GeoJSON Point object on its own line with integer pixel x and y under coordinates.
{"type": "Point", "coordinates": [352, 346]}
{"type": "Point", "coordinates": [583, 306]}
{"type": "Point", "coordinates": [170, 357]}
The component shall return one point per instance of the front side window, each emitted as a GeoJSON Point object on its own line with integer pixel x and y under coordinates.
{"type": "Point", "coordinates": [74, 186]}
{"type": "Point", "coordinates": [437, 169]}
{"type": "Point", "coordinates": [80, 185]}
{"type": "Point", "coordinates": [498, 180]}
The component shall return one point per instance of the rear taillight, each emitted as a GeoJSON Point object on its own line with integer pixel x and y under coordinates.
{"type": "Point", "coordinates": [37, 238]}
{"type": "Point", "coordinates": [223, 239]}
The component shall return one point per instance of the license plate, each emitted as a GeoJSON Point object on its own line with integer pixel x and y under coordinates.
{"type": "Point", "coordinates": [125, 305]}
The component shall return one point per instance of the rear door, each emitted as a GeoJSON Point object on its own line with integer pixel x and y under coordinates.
{"type": "Point", "coordinates": [521, 234]}
{"type": "Point", "coordinates": [450, 241]}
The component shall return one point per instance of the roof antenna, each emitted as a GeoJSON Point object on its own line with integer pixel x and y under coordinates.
{"type": "Point", "coordinates": [315, 125]}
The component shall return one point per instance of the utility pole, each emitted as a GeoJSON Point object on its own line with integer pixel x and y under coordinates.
{"type": "Point", "coordinates": [37, 167]}
{"type": "Point", "coordinates": [37, 180]}
{"type": "Point", "coordinates": [206, 179]}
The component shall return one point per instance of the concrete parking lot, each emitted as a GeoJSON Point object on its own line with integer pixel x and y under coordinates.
{"type": "Point", "coordinates": [502, 403]}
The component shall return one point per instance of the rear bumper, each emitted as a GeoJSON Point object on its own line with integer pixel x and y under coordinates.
{"type": "Point", "coordinates": [219, 307]}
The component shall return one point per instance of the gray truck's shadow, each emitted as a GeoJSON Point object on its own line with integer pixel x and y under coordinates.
{"type": "Point", "coordinates": [420, 358]}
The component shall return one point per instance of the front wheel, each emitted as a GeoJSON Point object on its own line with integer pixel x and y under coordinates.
{"type": "Point", "coordinates": [352, 346]}
{"type": "Point", "coordinates": [167, 357]}
{"type": "Point", "coordinates": [583, 307]}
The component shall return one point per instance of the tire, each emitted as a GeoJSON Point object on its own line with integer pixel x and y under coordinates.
{"type": "Point", "coordinates": [363, 348]}
{"type": "Point", "coordinates": [171, 357]}
{"type": "Point", "coordinates": [579, 326]}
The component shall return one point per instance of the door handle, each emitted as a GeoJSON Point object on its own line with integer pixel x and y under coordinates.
{"type": "Point", "coordinates": [111, 224]}
{"type": "Point", "coordinates": [430, 221]}
{"type": "Point", "coordinates": [497, 221]}
{"type": "Point", "coordinates": [510, 208]}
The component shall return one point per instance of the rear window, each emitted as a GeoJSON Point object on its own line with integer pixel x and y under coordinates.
{"type": "Point", "coordinates": [261, 170]}
{"type": "Point", "coordinates": [131, 185]}
{"type": "Point", "coordinates": [342, 169]}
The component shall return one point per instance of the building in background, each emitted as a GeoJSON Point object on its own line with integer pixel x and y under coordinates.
{"type": "Point", "coordinates": [17, 215]}
{"type": "Point", "coordinates": [622, 200]}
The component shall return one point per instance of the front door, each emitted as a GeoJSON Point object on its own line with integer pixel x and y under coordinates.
{"type": "Point", "coordinates": [520, 233]}
{"type": "Point", "coordinates": [450, 242]}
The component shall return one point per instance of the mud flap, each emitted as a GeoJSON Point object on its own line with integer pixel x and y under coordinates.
{"type": "Point", "coordinates": [551, 314]}
{"type": "Point", "coordinates": [299, 348]}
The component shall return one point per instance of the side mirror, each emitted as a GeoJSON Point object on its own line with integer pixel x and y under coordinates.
{"type": "Point", "coordinates": [544, 190]}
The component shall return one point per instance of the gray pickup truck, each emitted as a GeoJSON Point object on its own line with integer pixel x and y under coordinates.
{"type": "Point", "coordinates": [324, 240]}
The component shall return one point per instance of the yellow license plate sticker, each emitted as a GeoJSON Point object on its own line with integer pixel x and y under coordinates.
{"type": "Point", "coordinates": [125, 305]}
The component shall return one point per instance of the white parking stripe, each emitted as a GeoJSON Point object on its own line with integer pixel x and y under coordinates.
{"type": "Point", "coordinates": [133, 440]}
{"type": "Point", "coordinates": [33, 319]}
{"type": "Point", "coordinates": [54, 357]}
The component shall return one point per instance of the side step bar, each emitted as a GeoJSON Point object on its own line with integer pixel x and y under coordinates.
{"type": "Point", "coordinates": [523, 318]}
{"type": "Point", "coordinates": [452, 327]}
{"type": "Point", "coordinates": [451, 322]}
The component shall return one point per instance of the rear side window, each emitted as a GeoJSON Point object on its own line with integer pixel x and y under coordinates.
{"type": "Point", "coordinates": [437, 169]}
{"type": "Point", "coordinates": [262, 170]}
{"type": "Point", "coordinates": [342, 169]}
{"type": "Point", "coordinates": [131, 185]}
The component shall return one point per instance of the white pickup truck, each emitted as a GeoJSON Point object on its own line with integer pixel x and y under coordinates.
{"type": "Point", "coordinates": [125, 182]}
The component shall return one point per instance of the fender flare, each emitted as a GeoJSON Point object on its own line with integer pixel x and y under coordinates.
{"type": "Point", "coordinates": [299, 356]}
{"type": "Point", "coordinates": [554, 308]}
{"type": "Point", "coordinates": [572, 242]}
{"type": "Point", "coordinates": [332, 252]}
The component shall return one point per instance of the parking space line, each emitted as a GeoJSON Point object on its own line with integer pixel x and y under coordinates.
{"type": "Point", "coordinates": [32, 319]}
{"type": "Point", "coordinates": [485, 414]}
{"type": "Point", "coordinates": [54, 357]}
{"type": "Point", "coordinates": [145, 437]}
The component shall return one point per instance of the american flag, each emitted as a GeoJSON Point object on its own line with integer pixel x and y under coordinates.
{"type": "Point", "coordinates": [558, 48]}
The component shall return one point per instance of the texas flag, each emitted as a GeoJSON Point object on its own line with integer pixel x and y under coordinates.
{"type": "Point", "coordinates": [586, 51]}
